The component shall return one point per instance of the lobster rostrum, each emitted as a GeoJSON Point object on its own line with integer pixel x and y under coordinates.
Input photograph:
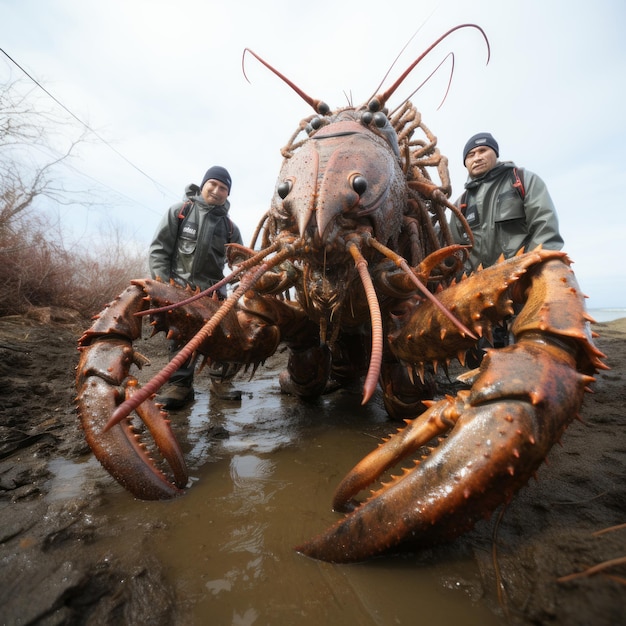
{"type": "Point", "coordinates": [357, 231]}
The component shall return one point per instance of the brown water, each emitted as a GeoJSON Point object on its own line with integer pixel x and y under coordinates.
{"type": "Point", "coordinates": [262, 474]}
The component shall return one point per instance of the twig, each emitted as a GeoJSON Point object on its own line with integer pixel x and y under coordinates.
{"type": "Point", "coordinates": [585, 501]}
{"type": "Point", "coordinates": [494, 555]}
{"type": "Point", "coordinates": [618, 579]}
{"type": "Point", "coordinates": [608, 530]}
{"type": "Point", "coordinates": [594, 569]}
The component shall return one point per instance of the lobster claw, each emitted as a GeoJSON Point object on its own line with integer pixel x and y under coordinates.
{"type": "Point", "coordinates": [101, 371]}
{"type": "Point", "coordinates": [497, 435]}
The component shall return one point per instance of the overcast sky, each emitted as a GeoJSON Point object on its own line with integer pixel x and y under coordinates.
{"type": "Point", "coordinates": [162, 83]}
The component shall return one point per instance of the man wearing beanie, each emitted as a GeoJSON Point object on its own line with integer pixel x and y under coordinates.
{"type": "Point", "coordinates": [507, 209]}
{"type": "Point", "coordinates": [189, 247]}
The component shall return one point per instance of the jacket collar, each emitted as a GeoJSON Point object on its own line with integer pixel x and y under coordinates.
{"type": "Point", "coordinates": [215, 209]}
{"type": "Point", "coordinates": [492, 174]}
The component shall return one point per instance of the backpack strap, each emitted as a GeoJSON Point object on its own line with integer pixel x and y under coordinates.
{"type": "Point", "coordinates": [184, 210]}
{"type": "Point", "coordinates": [463, 202]}
{"type": "Point", "coordinates": [182, 214]}
{"type": "Point", "coordinates": [518, 182]}
{"type": "Point", "coordinates": [231, 228]}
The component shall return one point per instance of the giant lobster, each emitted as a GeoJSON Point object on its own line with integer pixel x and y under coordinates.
{"type": "Point", "coordinates": [358, 276]}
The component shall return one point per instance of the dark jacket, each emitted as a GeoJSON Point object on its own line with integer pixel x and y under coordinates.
{"type": "Point", "coordinates": [191, 250]}
{"type": "Point", "coordinates": [501, 221]}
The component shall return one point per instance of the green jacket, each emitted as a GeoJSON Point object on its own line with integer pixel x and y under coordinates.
{"type": "Point", "coordinates": [191, 250]}
{"type": "Point", "coordinates": [501, 220]}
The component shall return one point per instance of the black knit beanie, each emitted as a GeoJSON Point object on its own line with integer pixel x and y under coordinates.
{"type": "Point", "coordinates": [218, 173]}
{"type": "Point", "coordinates": [481, 139]}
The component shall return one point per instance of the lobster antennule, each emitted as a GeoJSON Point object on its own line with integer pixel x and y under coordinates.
{"type": "Point", "coordinates": [445, 95]}
{"type": "Point", "coordinates": [381, 99]}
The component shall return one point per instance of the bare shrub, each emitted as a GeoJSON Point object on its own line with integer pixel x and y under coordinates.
{"type": "Point", "coordinates": [39, 271]}
{"type": "Point", "coordinates": [103, 269]}
{"type": "Point", "coordinates": [28, 261]}
{"type": "Point", "coordinates": [34, 141]}
{"type": "Point", "coordinates": [37, 267]}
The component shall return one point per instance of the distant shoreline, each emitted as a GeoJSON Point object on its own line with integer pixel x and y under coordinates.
{"type": "Point", "coordinates": [608, 314]}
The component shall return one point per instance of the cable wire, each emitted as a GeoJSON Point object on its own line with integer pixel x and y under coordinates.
{"type": "Point", "coordinates": [91, 130]}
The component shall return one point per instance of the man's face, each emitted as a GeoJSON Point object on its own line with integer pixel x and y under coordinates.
{"type": "Point", "coordinates": [214, 192]}
{"type": "Point", "coordinates": [480, 160]}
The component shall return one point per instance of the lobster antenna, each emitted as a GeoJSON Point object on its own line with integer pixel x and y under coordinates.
{"type": "Point", "coordinates": [318, 105]}
{"type": "Point", "coordinates": [406, 45]}
{"type": "Point", "coordinates": [380, 100]}
{"type": "Point", "coordinates": [445, 95]}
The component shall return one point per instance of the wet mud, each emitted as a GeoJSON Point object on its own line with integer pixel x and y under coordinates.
{"type": "Point", "coordinates": [75, 548]}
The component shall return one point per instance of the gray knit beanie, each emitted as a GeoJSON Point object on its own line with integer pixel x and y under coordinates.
{"type": "Point", "coordinates": [481, 139]}
{"type": "Point", "coordinates": [217, 173]}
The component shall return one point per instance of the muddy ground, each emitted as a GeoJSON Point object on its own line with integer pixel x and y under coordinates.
{"type": "Point", "coordinates": [59, 565]}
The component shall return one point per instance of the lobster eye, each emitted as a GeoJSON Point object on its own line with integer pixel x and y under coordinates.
{"type": "Point", "coordinates": [283, 189]}
{"type": "Point", "coordinates": [323, 108]}
{"type": "Point", "coordinates": [366, 118]}
{"type": "Point", "coordinates": [359, 184]}
{"type": "Point", "coordinates": [315, 124]}
{"type": "Point", "coordinates": [374, 105]}
{"type": "Point", "coordinates": [380, 119]}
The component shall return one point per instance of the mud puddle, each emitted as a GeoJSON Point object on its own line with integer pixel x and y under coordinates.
{"type": "Point", "coordinates": [262, 477]}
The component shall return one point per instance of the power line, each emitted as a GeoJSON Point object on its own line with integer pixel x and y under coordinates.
{"type": "Point", "coordinates": [91, 130]}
